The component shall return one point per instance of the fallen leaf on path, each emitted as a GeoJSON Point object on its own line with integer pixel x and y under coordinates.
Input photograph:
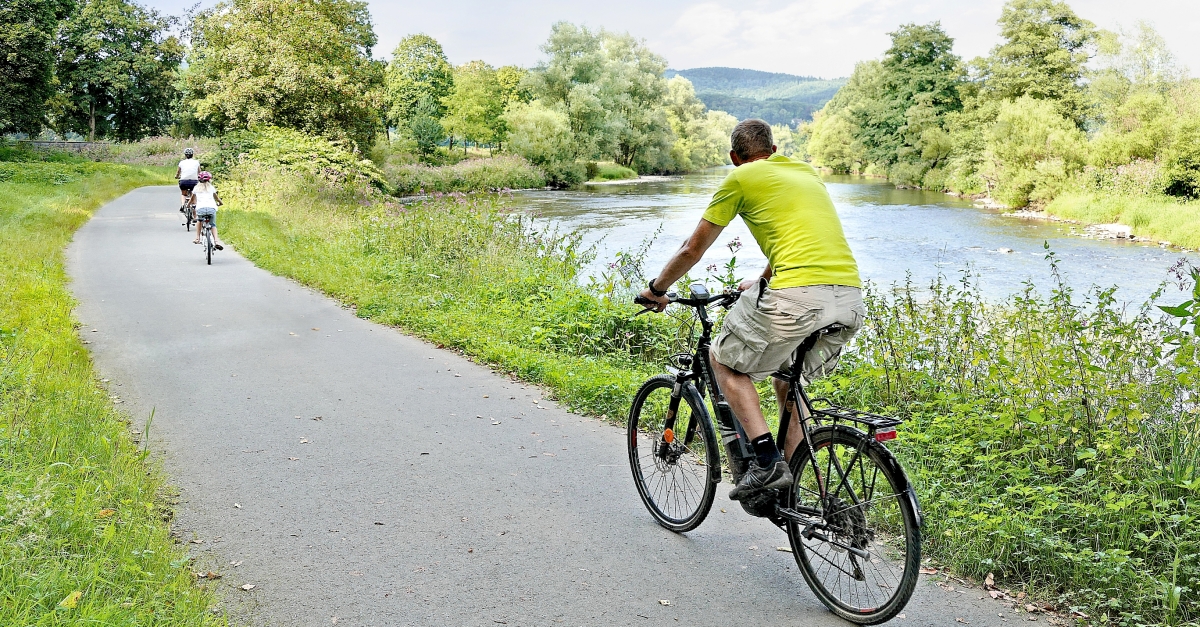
{"type": "Point", "coordinates": [959, 620]}
{"type": "Point", "coordinates": [1031, 608]}
{"type": "Point", "coordinates": [290, 333]}
{"type": "Point", "coordinates": [71, 600]}
{"type": "Point", "coordinates": [238, 505]}
{"type": "Point", "coordinates": [315, 329]}
{"type": "Point", "coordinates": [550, 454]}
{"type": "Point", "coordinates": [900, 616]}
{"type": "Point", "coordinates": [1020, 596]}
{"type": "Point", "coordinates": [298, 459]}
{"type": "Point", "coordinates": [211, 575]}
{"type": "Point", "coordinates": [197, 541]}
{"type": "Point", "coordinates": [470, 550]}
{"type": "Point", "coordinates": [665, 602]}
{"type": "Point", "coordinates": [235, 564]}
{"type": "Point", "coordinates": [928, 571]}
{"type": "Point", "coordinates": [248, 586]}
{"type": "Point", "coordinates": [378, 523]}
{"type": "Point", "coordinates": [105, 513]}
{"type": "Point", "coordinates": [995, 594]}
{"type": "Point", "coordinates": [989, 582]}
{"type": "Point", "coordinates": [304, 440]}
{"type": "Point", "coordinates": [783, 549]}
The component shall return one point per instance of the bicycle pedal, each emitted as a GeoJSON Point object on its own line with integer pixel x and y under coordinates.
{"type": "Point", "coordinates": [762, 504]}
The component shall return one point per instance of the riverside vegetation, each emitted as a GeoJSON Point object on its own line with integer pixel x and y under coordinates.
{"type": "Point", "coordinates": [84, 536]}
{"type": "Point", "coordinates": [1054, 440]}
{"type": "Point", "coordinates": [1087, 124]}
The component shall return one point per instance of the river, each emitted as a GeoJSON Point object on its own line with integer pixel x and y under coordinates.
{"type": "Point", "coordinates": [893, 233]}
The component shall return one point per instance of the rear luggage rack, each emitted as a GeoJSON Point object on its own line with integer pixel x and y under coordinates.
{"type": "Point", "coordinates": [837, 413]}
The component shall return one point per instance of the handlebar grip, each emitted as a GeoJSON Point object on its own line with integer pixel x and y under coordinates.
{"type": "Point", "coordinates": [642, 300]}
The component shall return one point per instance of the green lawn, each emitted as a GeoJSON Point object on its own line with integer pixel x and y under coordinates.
{"type": "Point", "coordinates": [84, 532]}
{"type": "Point", "coordinates": [1159, 219]}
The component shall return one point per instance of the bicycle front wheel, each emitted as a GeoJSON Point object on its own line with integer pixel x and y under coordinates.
{"type": "Point", "coordinates": [861, 557]}
{"type": "Point", "coordinates": [675, 462]}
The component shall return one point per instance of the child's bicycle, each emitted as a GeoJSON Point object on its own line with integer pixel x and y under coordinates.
{"type": "Point", "coordinates": [851, 516]}
{"type": "Point", "coordinates": [206, 236]}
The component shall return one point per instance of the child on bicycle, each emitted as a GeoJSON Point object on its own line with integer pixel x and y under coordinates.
{"type": "Point", "coordinates": [207, 201]}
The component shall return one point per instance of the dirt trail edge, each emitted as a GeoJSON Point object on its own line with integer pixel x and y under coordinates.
{"type": "Point", "coordinates": [359, 476]}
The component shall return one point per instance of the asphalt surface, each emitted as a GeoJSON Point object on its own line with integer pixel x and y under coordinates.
{"type": "Point", "coordinates": [356, 475]}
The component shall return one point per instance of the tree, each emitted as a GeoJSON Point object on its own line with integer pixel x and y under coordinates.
{"type": "Point", "coordinates": [1046, 46]}
{"type": "Point", "coordinates": [540, 133]}
{"type": "Point", "coordinates": [27, 30]}
{"type": "Point", "coordinates": [116, 71]}
{"type": "Point", "coordinates": [474, 106]}
{"type": "Point", "coordinates": [920, 71]}
{"type": "Point", "coordinates": [701, 136]}
{"type": "Point", "coordinates": [1033, 150]}
{"type": "Point", "coordinates": [418, 68]}
{"type": "Point", "coordinates": [611, 88]}
{"type": "Point", "coordinates": [302, 64]}
{"type": "Point", "coordinates": [425, 126]}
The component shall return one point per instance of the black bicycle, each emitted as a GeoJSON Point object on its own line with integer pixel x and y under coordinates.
{"type": "Point", "coordinates": [189, 212]}
{"type": "Point", "coordinates": [851, 515]}
{"type": "Point", "coordinates": [206, 236]}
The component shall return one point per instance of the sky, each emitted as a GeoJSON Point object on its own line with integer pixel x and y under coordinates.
{"type": "Point", "coordinates": [821, 38]}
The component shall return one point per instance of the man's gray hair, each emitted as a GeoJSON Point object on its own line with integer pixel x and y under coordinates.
{"type": "Point", "coordinates": [751, 138]}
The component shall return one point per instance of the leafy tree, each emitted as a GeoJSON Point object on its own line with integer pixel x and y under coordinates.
{"type": "Point", "coordinates": [635, 88]}
{"type": "Point", "coordinates": [425, 126]}
{"type": "Point", "coordinates": [540, 133]}
{"type": "Point", "coordinates": [27, 29]}
{"type": "Point", "coordinates": [611, 88]}
{"type": "Point", "coordinates": [1046, 46]}
{"type": "Point", "coordinates": [701, 136]}
{"type": "Point", "coordinates": [919, 71]}
{"type": "Point", "coordinates": [116, 71]}
{"type": "Point", "coordinates": [418, 68]}
{"type": "Point", "coordinates": [301, 64]}
{"type": "Point", "coordinates": [474, 106]}
{"type": "Point", "coordinates": [512, 80]}
{"type": "Point", "coordinates": [1033, 151]}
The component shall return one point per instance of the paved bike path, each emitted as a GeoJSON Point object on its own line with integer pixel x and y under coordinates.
{"type": "Point", "coordinates": [359, 476]}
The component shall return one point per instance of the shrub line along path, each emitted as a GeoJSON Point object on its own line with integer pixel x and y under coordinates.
{"type": "Point", "coordinates": [356, 475]}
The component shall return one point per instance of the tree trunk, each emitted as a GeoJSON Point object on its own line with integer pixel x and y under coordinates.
{"type": "Point", "coordinates": [92, 123]}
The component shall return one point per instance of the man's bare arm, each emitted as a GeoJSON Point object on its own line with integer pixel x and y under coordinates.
{"type": "Point", "coordinates": [692, 250]}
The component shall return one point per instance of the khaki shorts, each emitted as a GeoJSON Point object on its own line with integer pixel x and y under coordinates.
{"type": "Point", "coordinates": [760, 334]}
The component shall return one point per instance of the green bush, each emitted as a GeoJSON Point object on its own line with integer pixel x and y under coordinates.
{"type": "Point", "coordinates": [612, 172]}
{"type": "Point", "coordinates": [277, 148]}
{"type": "Point", "coordinates": [1181, 168]}
{"type": "Point", "coordinates": [494, 173]}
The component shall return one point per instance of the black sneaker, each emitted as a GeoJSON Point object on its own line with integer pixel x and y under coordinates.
{"type": "Point", "coordinates": [758, 478]}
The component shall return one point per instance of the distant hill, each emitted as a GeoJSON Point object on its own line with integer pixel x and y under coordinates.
{"type": "Point", "coordinates": [774, 97]}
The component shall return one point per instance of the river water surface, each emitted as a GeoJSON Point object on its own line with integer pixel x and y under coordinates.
{"type": "Point", "coordinates": [892, 232]}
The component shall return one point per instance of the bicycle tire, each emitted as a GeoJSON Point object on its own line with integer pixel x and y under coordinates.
{"type": "Point", "coordinates": [189, 217]}
{"type": "Point", "coordinates": [208, 244]}
{"type": "Point", "coordinates": [677, 499]}
{"type": "Point", "coordinates": [887, 527]}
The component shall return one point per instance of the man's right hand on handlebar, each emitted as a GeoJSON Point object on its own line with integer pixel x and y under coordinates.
{"type": "Point", "coordinates": [657, 302]}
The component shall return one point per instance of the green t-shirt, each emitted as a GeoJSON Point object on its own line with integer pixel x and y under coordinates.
{"type": "Point", "coordinates": [789, 212]}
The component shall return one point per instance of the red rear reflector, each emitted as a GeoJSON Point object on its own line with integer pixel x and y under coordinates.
{"type": "Point", "coordinates": [883, 435]}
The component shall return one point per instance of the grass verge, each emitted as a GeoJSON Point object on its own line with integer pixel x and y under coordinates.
{"type": "Point", "coordinates": [1161, 219]}
{"type": "Point", "coordinates": [84, 537]}
{"type": "Point", "coordinates": [491, 173]}
{"type": "Point", "coordinates": [1054, 441]}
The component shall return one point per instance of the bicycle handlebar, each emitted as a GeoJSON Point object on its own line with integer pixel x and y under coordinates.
{"type": "Point", "coordinates": [725, 299]}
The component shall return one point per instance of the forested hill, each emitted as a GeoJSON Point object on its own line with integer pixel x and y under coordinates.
{"type": "Point", "coordinates": [776, 98]}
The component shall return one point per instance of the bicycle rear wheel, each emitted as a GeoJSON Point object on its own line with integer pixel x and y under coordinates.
{"type": "Point", "coordinates": [677, 471]}
{"type": "Point", "coordinates": [863, 558]}
{"type": "Point", "coordinates": [208, 243]}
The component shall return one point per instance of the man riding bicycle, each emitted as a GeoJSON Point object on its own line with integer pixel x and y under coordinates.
{"type": "Point", "coordinates": [811, 281]}
{"type": "Point", "coordinates": [188, 172]}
